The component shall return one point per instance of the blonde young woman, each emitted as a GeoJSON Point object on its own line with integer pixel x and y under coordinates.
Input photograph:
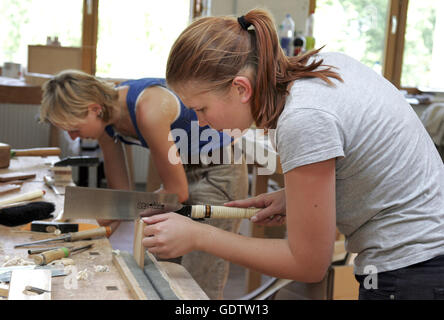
{"type": "Point", "coordinates": [145, 113]}
{"type": "Point", "coordinates": [354, 155]}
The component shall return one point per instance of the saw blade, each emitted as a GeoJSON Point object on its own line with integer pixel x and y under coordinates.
{"type": "Point", "coordinates": [99, 203]}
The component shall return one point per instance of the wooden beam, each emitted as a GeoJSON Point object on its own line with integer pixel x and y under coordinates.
{"type": "Point", "coordinates": [400, 39]}
{"type": "Point", "coordinates": [311, 6]}
{"type": "Point", "coordinates": [394, 41]}
{"type": "Point", "coordinates": [135, 279]}
{"type": "Point", "coordinates": [89, 35]}
{"type": "Point", "coordinates": [138, 248]}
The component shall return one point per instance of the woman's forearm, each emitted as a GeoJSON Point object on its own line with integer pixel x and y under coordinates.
{"type": "Point", "coordinates": [268, 256]}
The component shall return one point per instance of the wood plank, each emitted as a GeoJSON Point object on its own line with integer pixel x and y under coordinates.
{"type": "Point", "coordinates": [134, 277]}
{"type": "Point", "coordinates": [182, 282]}
{"type": "Point", "coordinates": [158, 277]}
{"type": "Point", "coordinates": [10, 176]}
{"type": "Point", "coordinates": [21, 94]}
{"type": "Point", "coordinates": [9, 188]}
{"type": "Point", "coordinates": [37, 278]}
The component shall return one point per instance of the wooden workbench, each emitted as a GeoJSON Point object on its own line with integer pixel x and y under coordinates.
{"type": "Point", "coordinates": [98, 285]}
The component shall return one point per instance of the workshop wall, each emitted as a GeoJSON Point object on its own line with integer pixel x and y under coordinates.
{"type": "Point", "coordinates": [279, 8]}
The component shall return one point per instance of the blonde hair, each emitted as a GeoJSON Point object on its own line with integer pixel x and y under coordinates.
{"type": "Point", "coordinates": [67, 96]}
{"type": "Point", "coordinates": [214, 50]}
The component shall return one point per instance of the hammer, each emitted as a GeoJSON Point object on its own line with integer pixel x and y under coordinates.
{"type": "Point", "coordinates": [6, 153]}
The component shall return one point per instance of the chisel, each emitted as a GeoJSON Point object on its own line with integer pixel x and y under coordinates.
{"type": "Point", "coordinates": [48, 256]}
{"type": "Point", "coordinates": [40, 250]}
{"type": "Point", "coordinates": [73, 236]}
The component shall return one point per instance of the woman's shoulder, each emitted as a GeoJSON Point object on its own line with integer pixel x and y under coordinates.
{"type": "Point", "coordinates": [157, 103]}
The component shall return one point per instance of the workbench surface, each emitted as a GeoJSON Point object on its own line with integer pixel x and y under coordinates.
{"type": "Point", "coordinates": [97, 285]}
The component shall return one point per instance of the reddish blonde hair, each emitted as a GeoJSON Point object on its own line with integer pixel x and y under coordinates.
{"type": "Point", "coordinates": [214, 50]}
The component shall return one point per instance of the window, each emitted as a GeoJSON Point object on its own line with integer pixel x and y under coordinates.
{"type": "Point", "coordinates": [406, 46]}
{"type": "Point", "coordinates": [355, 27]}
{"type": "Point", "coordinates": [423, 60]}
{"type": "Point", "coordinates": [25, 22]}
{"type": "Point", "coordinates": [135, 37]}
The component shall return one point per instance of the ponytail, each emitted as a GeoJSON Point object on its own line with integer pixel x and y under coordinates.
{"type": "Point", "coordinates": [214, 50]}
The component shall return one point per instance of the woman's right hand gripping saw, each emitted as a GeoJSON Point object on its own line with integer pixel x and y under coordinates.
{"type": "Point", "coordinates": [273, 204]}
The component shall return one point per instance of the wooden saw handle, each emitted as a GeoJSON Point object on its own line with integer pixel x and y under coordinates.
{"type": "Point", "coordinates": [207, 211]}
{"type": "Point", "coordinates": [36, 152]}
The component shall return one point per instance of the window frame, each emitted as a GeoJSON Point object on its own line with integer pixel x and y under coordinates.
{"type": "Point", "coordinates": [90, 26]}
{"type": "Point", "coordinates": [393, 48]}
{"type": "Point", "coordinates": [394, 42]}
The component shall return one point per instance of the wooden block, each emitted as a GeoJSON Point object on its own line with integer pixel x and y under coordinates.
{"type": "Point", "coordinates": [345, 286]}
{"type": "Point", "coordinates": [18, 182]}
{"type": "Point", "coordinates": [157, 280]}
{"type": "Point", "coordinates": [339, 252]}
{"type": "Point", "coordinates": [37, 278]}
{"type": "Point", "coordinates": [5, 177]}
{"type": "Point", "coordinates": [138, 248]}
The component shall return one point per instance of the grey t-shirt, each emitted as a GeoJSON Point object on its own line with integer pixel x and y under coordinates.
{"type": "Point", "coordinates": [389, 175]}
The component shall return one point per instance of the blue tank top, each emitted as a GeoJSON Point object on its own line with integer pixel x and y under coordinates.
{"type": "Point", "coordinates": [185, 129]}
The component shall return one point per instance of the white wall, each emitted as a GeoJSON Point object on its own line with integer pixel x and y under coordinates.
{"type": "Point", "coordinates": [279, 8]}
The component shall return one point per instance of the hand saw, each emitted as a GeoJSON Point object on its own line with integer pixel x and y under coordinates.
{"type": "Point", "coordinates": [98, 203]}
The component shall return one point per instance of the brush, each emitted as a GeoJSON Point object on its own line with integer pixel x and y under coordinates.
{"type": "Point", "coordinates": [22, 214]}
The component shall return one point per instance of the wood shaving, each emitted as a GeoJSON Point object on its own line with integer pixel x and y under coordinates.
{"type": "Point", "coordinates": [100, 268]}
{"type": "Point", "coordinates": [63, 261]}
{"type": "Point", "coordinates": [17, 261]}
{"type": "Point", "coordinates": [57, 232]}
{"type": "Point", "coordinates": [82, 275]}
{"type": "Point", "coordinates": [116, 252]}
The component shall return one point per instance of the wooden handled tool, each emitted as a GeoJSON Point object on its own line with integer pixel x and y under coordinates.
{"type": "Point", "coordinates": [48, 256]}
{"type": "Point", "coordinates": [35, 152]}
{"type": "Point", "coordinates": [208, 211]}
{"type": "Point", "coordinates": [6, 153]}
{"type": "Point", "coordinates": [87, 234]}
{"type": "Point", "coordinates": [23, 197]}
{"type": "Point", "coordinates": [73, 236]}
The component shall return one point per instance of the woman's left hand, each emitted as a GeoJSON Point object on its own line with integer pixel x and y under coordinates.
{"type": "Point", "coordinates": [170, 235]}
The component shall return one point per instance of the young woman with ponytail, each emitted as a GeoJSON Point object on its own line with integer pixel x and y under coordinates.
{"type": "Point", "coordinates": [354, 154]}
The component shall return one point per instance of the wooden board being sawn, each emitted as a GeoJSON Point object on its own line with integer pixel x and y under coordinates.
{"type": "Point", "coordinates": [99, 285]}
